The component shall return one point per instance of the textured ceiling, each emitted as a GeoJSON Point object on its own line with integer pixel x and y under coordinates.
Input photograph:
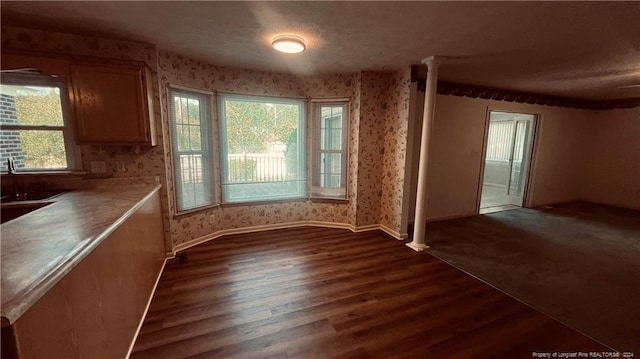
{"type": "Point", "coordinates": [575, 49]}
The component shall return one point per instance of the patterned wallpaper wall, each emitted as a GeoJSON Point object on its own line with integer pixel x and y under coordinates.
{"type": "Point", "coordinates": [354, 145]}
{"type": "Point", "coordinates": [395, 149]}
{"type": "Point", "coordinates": [149, 161]}
{"type": "Point", "coordinates": [373, 102]}
{"type": "Point", "coordinates": [379, 103]}
{"type": "Point", "coordinates": [183, 71]}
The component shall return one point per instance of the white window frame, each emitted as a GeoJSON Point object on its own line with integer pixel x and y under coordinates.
{"type": "Point", "coordinates": [301, 144]}
{"type": "Point", "coordinates": [206, 151]}
{"type": "Point", "coordinates": [317, 190]}
{"type": "Point", "coordinates": [72, 151]}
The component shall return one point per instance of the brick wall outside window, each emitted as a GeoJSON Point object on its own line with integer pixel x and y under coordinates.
{"type": "Point", "coordinates": [10, 145]}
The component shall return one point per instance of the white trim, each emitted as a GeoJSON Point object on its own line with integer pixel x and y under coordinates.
{"type": "Point", "coordinates": [173, 86]}
{"type": "Point", "coordinates": [455, 216]}
{"type": "Point", "coordinates": [315, 130]}
{"type": "Point", "coordinates": [263, 96]}
{"type": "Point", "coordinates": [267, 227]}
{"type": "Point", "coordinates": [206, 126]}
{"type": "Point", "coordinates": [368, 227]}
{"type": "Point", "coordinates": [146, 309]}
{"type": "Point", "coordinates": [532, 152]}
{"type": "Point", "coordinates": [329, 100]}
{"type": "Point", "coordinates": [328, 225]}
{"type": "Point", "coordinates": [483, 161]}
{"type": "Point", "coordinates": [392, 233]}
{"type": "Point", "coordinates": [533, 161]}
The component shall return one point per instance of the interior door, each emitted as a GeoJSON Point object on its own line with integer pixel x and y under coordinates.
{"type": "Point", "coordinates": [519, 159]}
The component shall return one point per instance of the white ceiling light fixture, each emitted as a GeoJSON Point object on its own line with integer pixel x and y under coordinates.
{"type": "Point", "coordinates": [289, 44]}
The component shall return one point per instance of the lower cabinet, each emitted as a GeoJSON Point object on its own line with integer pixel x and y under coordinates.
{"type": "Point", "coordinates": [96, 309]}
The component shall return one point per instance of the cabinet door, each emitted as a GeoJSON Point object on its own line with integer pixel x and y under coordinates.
{"type": "Point", "coordinates": [111, 105]}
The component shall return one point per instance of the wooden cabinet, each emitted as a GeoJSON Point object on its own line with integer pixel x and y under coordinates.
{"type": "Point", "coordinates": [96, 309]}
{"type": "Point", "coordinates": [113, 104]}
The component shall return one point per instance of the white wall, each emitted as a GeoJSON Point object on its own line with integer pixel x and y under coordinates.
{"type": "Point", "coordinates": [611, 167]}
{"type": "Point", "coordinates": [457, 146]}
{"type": "Point", "coordinates": [559, 153]}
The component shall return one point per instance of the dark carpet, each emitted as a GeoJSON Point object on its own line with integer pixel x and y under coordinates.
{"type": "Point", "coordinates": [578, 263]}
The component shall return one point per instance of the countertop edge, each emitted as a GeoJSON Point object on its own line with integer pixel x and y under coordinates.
{"type": "Point", "coordinates": [23, 302]}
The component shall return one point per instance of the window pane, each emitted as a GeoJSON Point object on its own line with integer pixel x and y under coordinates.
{"type": "Point", "coordinates": [182, 137]}
{"type": "Point", "coordinates": [32, 149]}
{"type": "Point", "coordinates": [331, 139]}
{"type": "Point", "coordinates": [329, 179]}
{"type": "Point", "coordinates": [191, 150]}
{"type": "Point", "coordinates": [32, 105]}
{"type": "Point", "coordinates": [193, 108]}
{"type": "Point", "coordinates": [331, 169]}
{"type": "Point", "coordinates": [11, 147]}
{"type": "Point", "coordinates": [194, 191]}
{"type": "Point", "coordinates": [194, 138]}
{"type": "Point", "coordinates": [498, 142]}
{"type": "Point", "coordinates": [263, 151]}
{"type": "Point", "coordinates": [177, 109]}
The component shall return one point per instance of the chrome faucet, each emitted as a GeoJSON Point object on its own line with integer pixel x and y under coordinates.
{"type": "Point", "coordinates": [11, 170]}
{"type": "Point", "coordinates": [11, 166]}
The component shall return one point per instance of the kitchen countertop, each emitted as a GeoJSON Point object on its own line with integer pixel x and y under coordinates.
{"type": "Point", "coordinates": [39, 248]}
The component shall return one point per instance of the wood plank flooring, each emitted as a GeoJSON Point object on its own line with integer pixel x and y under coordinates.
{"type": "Point", "coordinates": [328, 293]}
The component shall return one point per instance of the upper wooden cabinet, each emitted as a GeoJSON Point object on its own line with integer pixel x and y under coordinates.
{"type": "Point", "coordinates": [113, 104]}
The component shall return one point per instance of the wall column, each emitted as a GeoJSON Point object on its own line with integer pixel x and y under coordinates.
{"type": "Point", "coordinates": [419, 228]}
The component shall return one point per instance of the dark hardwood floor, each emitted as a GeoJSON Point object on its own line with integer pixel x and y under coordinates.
{"type": "Point", "coordinates": [327, 293]}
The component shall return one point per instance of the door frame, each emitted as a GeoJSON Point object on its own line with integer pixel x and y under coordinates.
{"type": "Point", "coordinates": [526, 200]}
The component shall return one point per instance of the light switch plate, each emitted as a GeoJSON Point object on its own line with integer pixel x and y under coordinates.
{"type": "Point", "coordinates": [98, 167]}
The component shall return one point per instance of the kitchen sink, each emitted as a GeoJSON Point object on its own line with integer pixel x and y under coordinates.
{"type": "Point", "coordinates": [17, 209]}
{"type": "Point", "coordinates": [13, 206]}
{"type": "Point", "coordinates": [31, 196]}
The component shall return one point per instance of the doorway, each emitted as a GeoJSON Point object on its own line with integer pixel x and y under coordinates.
{"type": "Point", "coordinates": [507, 161]}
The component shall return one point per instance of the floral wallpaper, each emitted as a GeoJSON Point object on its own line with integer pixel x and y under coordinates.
{"type": "Point", "coordinates": [378, 109]}
{"type": "Point", "coordinates": [354, 145]}
{"type": "Point", "coordinates": [148, 162]}
{"type": "Point", "coordinates": [373, 93]}
{"type": "Point", "coordinates": [183, 71]}
{"type": "Point", "coordinates": [59, 43]}
{"type": "Point", "coordinates": [395, 149]}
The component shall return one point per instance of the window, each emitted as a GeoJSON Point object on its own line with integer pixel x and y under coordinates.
{"type": "Point", "coordinates": [330, 138]}
{"type": "Point", "coordinates": [35, 129]}
{"type": "Point", "coordinates": [262, 148]}
{"type": "Point", "coordinates": [191, 147]}
{"type": "Point", "coordinates": [499, 143]}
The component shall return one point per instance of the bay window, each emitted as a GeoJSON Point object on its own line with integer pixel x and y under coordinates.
{"type": "Point", "coordinates": [330, 139]}
{"type": "Point", "coordinates": [262, 148]}
{"type": "Point", "coordinates": [190, 119]}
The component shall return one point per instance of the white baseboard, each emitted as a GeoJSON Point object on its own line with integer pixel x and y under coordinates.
{"type": "Point", "coordinates": [268, 227]}
{"type": "Point", "coordinates": [391, 232]}
{"type": "Point", "coordinates": [444, 218]}
{"type": "Point", "coordinates": [368, 227]}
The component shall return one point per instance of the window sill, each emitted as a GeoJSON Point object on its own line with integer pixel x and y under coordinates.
{"type": "Point", "coordinates": [258, 203]}
{"type": "Point", "coordinates": [46, 173]}
{"type": "Point", "coordinates": [192, 211]}
{"type": "Point", "coordinates": [329, 200]}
